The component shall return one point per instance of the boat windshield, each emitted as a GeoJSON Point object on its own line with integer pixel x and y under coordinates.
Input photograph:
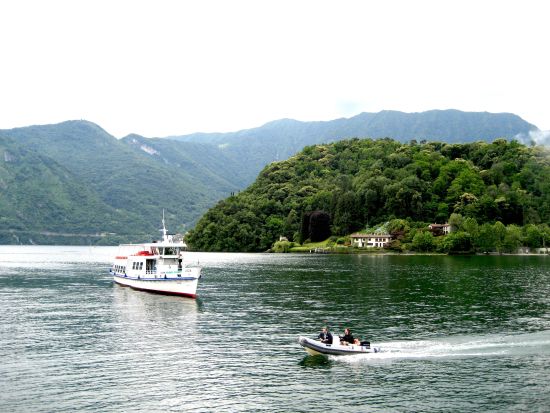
{"type": "Point", "coordinates": [169, 250]}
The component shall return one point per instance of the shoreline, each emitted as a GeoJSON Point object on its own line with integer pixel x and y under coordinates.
{"type": "Point", "coordinates": [379, 252]}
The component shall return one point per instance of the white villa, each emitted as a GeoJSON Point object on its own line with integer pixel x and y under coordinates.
{"type": "Point", "coordinates": [362, 240]}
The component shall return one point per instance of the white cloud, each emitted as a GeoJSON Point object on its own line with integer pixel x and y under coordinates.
{"type": "Point", "coordinates": [537, 137]}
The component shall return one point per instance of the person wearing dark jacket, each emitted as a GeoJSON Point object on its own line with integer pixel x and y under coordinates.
{"type": "Point", "coordinates": [348, 338]}
{"type": "Point", "coordinates": [325, 336]}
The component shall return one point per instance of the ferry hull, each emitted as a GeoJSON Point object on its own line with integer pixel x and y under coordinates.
{"type": "Point", "coordinates": [185, 288]}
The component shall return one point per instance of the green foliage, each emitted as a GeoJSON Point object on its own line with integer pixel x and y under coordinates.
{"type": "Point", "coordinates": [74, 181]}
{"type": "Point", "coordinates": [370, 182]}
{"type": "Point", "coordinates": [423, 241]}
{"type": "Point", "coordinates": [398, 227]}
{"type": "Point", "coordinates": [282, 246]}
{"type": "Point", "coordinates": [457, 242]}
{"type": "Point", "coordinates": [512, 238]}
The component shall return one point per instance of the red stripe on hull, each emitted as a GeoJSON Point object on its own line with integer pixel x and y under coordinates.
{"type": "Point", "coordinates": [157, 292]}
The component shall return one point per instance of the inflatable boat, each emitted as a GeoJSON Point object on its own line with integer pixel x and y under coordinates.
{"type": "Point", "coordinates": [315, 347]}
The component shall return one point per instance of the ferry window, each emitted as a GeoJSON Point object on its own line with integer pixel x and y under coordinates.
{"type": "Point", "coordinates": [141, 266]}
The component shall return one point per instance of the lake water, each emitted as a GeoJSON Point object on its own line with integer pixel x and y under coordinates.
{"type": "Point", "coordinates": [456, 334]}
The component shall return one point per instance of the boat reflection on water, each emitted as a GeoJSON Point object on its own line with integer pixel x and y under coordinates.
{"type": "Point", "coordinates": [137, 307]}
{"type": "Point", "coordinates": [319, 362]}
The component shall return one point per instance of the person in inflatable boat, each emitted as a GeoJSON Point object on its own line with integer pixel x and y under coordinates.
{"type": "Point", "coordinates": [348, 338]}
{"type": "Point", "coordinates": [325, 336]}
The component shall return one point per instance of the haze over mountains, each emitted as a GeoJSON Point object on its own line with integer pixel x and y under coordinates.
{"type": "Point", "coordinates": [74, 183]}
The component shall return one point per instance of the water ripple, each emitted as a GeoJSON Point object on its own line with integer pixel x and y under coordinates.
{"type": "Point", "coordinates": [457, 334]}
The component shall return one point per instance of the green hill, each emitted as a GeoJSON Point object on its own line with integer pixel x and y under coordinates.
{"type": "Point", "coordinates": [76, 179]}
{"type": "Point", "coordinates": [278, 140]}
{"type": "Point", "coordinates": [41, 201]}
{"type": "Point", "coordinates": [74, 183]}
{"type": "Point", "coordinates": [360, 182]}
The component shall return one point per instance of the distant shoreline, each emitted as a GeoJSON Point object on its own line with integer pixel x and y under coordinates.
{"type": "Point", "coordinates": [379, 252]}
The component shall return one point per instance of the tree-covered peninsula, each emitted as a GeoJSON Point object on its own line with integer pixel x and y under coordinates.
{"type": "Point", "coordinates": [362, 183]}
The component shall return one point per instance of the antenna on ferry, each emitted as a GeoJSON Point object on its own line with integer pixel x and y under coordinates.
{"type": "Point", "coordinates": [164, 232]}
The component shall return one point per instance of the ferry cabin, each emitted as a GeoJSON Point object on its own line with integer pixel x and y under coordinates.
{"type": "Point", "coordinates": [153, 261]}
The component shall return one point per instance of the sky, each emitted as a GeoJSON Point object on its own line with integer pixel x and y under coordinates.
{"type": "Point", "coordinates": [173, 67]}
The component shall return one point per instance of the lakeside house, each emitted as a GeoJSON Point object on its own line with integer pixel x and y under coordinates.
{"type": "Point", "coordinates": [362, 240]}
{"type": "Point", "coordinates": [440, 229]}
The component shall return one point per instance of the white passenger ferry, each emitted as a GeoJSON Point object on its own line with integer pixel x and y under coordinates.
{"type": "Point", "coordinates": [156, 267]}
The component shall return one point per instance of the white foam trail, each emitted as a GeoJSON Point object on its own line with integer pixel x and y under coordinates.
{"type": "Point", "coordinates": [459, 346]}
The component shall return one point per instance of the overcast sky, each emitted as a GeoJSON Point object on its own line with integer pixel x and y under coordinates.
{"type": "Point", "coordinates": [163, 67]}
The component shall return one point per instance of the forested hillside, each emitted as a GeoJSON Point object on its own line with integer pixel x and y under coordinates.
{"type": "Point", "coordinates": [40, 200]}
{"type": "Point", "coordinates": [74, 183]}
{"type": "Point", "coordinates": [368, 182]}
{"type": "Point", "coordinates": [278, 140]}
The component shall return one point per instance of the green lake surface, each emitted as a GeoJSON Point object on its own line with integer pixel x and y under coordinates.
{"type": "Point", "coordinates": [457, 334]}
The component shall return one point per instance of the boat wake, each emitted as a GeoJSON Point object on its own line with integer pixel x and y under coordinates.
{"type": "Point", "coordinates": [496, 345]}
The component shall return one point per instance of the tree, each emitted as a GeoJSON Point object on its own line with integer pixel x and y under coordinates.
{"type": "Point", "coordinates": [455, 221]}
{"type": "Point", "coordinates": [423, 241]}
{"type": "Point", "coordinates": [458, 242]}
{"type": "Point", "coordinates": [291, 224]}
{"type": "Point", "coordinates": [499, 231]}
{"type": "Point", "coordinates": [398, 227]}
{"type": "Point", "coordinates": [319, 226]}
{"type": "Point", "coordinates": [486, 239]}
{"type": "Point", "coordinates": [512, 238]}
{"type": "Point", "coordinates": [533, 236]}
{"type": "Point", "coordinates": [345, 218]}
{"type": "Point", "coordinates": [470, 226]}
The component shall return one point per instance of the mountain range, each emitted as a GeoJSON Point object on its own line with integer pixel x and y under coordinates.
{"type": "Point", "coordinates": [74, 183]}
{"type": "Point", "coordinates": [280, 139]}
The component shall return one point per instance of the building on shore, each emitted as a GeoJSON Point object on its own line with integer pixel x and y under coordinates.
{"type": "Point", "coordinates": [440, 229]}
{"type": "Point", "coordinates": [363, 240]}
